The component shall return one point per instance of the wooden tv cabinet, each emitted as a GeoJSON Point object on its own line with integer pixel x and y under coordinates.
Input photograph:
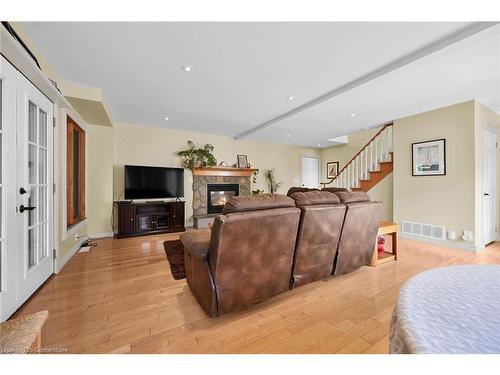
{"type": "Point", "coordinates": [139, 219]}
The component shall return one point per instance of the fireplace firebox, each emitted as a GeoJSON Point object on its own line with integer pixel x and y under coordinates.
{"type": "Point", "coordinates": [218, 194]}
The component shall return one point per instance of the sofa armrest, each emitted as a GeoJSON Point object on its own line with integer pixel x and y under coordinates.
{"type": "Point", "coordinates": [197, 242]}
{"type": "Point", "coordinates": [198, 276]}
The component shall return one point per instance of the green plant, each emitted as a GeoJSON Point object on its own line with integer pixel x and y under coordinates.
{"type": "Point", "coordinates": [254, 178]}
{"type": "Point", "coordinates": [192, 156]}
{"type": "Point", "coordinates": [270, 175]}
{"type": "Point", "coordinates": [257, 192]}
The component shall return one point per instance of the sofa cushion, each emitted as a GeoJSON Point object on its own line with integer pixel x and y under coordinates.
{"type": "Point", "coordinates": [353, 196]}
{"type": "Point", "coordinates": [244, 203]}
{"type": "Point", "coordinates": [334, 189]}
{"type": "Point", "coordinates": [314, 197]}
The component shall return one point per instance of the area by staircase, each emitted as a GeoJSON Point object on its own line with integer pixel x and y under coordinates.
{"type": "Point", "coordinates": [370, 164]}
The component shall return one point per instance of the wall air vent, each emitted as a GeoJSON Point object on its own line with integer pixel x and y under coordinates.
{"type": "Point", "coordinates": [436, 232]}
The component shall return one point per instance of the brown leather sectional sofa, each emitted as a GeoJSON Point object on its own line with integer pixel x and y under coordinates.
{"type": "Point", "coordinates": [266, 244]}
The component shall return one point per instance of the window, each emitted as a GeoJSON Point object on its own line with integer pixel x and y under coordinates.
{"type": "Point", "coordinates": [75, 173]}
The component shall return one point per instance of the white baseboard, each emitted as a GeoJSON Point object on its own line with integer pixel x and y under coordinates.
{"type": "Point", "coordinates": [61, 262]}
{"type": "Point", "coordinates": [447, 243]}
{"type": "Point", "coordinates": [101, 235]}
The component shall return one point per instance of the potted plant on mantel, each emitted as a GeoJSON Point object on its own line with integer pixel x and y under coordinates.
{"type": "Point", "coordinates": [198, 157]}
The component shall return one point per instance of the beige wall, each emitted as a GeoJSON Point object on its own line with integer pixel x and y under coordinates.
{"type": "Point", "coordinates": [440, 200]}
{"type": "Point", "coordinates": [158, 147]}
{"type": "Point", "coordinates": [100, 179]}
{"type": "Point", "coordinates": [344, 153]}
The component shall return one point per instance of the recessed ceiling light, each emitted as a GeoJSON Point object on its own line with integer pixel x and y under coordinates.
{"type": "Point", "coordinates": [166, 118]}
{"type": "Point", "coordinates": [291, 97]}
{"type": "Point", "coordinates": [288, 135]}
{"type": "Point", "coordinates": [353, 114]}
{"type": "Point", "coordinates": [187, 68]}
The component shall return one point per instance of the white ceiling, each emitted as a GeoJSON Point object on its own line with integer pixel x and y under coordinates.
{"type": "Point", "coordinates": [243, 72]}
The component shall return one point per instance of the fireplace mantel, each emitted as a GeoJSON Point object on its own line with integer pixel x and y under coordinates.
{"type": "Point", "coordinates": [223, 171]}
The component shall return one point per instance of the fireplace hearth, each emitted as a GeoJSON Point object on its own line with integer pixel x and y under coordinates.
{"type": "Point", "coordinates": [218, 195]}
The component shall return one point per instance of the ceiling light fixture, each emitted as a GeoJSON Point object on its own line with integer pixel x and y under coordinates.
{"type": "Point", "coordinates": [187, 68]}
{"type": "Point", "coordinates": [319, 144]}
{"type": "Point", "coordinates": [288, 135]}
{"type": "Point", "coordinates": [166, 118]}
{"type": "Point", "coordinates": [353, 114]}
{"type": "Point", "coordinates": [291, 97]}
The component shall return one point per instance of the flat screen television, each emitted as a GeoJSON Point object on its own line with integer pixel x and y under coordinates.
{"type": "Point", "coordinates": [153, 182]}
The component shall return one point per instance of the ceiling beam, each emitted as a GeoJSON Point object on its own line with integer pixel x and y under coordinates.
{"type": "Point", "coordinates": [386, 69]}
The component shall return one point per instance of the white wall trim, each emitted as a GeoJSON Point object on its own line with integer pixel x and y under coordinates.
{"type": "Point", "coordinates": [61, 261]}
{"type": "Point", "coordinates": [101, 235]}
{"type": "Point", "coordinates": [453, 244]}
{"type": "Point", "coordinates": [74, 229]}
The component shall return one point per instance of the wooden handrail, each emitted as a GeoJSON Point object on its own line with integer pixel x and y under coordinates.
{"type": "Point", "coordinates": [358, 153]}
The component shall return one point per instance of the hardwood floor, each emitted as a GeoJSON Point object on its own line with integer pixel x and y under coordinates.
{"type": "Point", "coordinates": [121, 298]}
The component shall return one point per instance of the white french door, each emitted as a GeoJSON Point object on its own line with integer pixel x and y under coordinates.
{"type": "Point", "coordinates": [27, 162]}
{"type": "Point", "coordinates": [34, 187]}
{"type": "Point", "coordinates": [8, 253]}
{"type": "Point", "coordinates": [489, 187]}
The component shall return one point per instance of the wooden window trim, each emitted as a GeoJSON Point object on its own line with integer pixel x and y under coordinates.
{"type": "Point", "coordinates": [71, 128]}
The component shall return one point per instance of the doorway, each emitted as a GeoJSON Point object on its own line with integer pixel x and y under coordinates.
{"type": "Point", "coordinates": [26, 189]}
{"type": "Point", "coordinates": [489, 219]}
{"type": "Point", "coordinates": [309, 171]}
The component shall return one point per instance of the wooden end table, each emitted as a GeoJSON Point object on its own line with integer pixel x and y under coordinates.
{"type": "Point", "coordinates": [390, 228]}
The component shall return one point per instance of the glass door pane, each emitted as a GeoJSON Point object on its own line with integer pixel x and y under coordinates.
{"type": "Point", "coordinates": [38, 185]}
{"type": "Point", "coordinates": [43, 186]}
{"type": "Point", "coordinates": [32, 179]}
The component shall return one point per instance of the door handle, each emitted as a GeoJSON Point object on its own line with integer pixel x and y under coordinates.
{"type": "Point", "coordinates": [23, 208]}
{"type": "Point", "coordinates": [486, 194]}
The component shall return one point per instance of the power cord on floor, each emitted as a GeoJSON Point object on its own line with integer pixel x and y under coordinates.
{"type": "Point", "coordinates": [88, 242]}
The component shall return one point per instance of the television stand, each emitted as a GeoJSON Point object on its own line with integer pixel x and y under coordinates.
{"type": "Point", "coordinates": [139, 219]}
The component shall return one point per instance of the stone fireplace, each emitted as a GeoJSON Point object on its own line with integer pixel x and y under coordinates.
{"type": "Point", "coordinates": [218, 195]}
{"type": "Point", "coordinates": [212, 186]}
{"type": "Point", "coordinates": [200, 189]}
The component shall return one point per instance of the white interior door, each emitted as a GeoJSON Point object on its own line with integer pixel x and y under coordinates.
{"type": "Point", "coordinates": [34, 187]}
{"type": "Point", "coordinates": [489, 187]}
{"type": "Point", "coordinates": [310, 171]}
{"type": "Point", "coordinates": [8, 253]}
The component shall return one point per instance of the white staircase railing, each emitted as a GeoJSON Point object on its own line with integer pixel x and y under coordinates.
{"type": "Point", "coordinates": [378, 149]}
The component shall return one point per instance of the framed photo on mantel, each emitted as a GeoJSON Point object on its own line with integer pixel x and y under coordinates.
{"type": "Point", "coordinates": [429, 158]}
{"type": "Point", "coordinates": [242, 161]}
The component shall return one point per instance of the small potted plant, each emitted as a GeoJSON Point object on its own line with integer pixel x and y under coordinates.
{"type": "Point", "coordinates": [270, 175]}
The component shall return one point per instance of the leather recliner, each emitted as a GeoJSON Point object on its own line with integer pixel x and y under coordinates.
{"type": "Point", "coordinates": [334, 189]}
{"type": "Point", "coordinates": [359, 232]}
{"type": "Point", "coordinates": [247, 257]}
{"type": "Point", "coordinates": [320, 226]}
{"type": "Point", "coordinates": [297, 189]}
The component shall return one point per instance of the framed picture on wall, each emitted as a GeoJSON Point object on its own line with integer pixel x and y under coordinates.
{"type": "Point", "coordinates": [332, 169]}
{"type": "Point", "coordinates": [242, 161]}
{"type": "Point", "coordinates": [429, 158]}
